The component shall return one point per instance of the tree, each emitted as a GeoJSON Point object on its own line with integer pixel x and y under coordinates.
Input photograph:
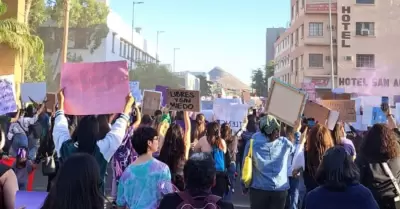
{"type": "Point", "coordinates": [258, 82]}
{"type": "Point", "coordinates": [205, 86]}
{"type": "Point", "coordinates": [149, 75]}
{"type": "Point", "coordinates": [269, 72]}
{"type": "Point", "coordinates": [18, 36]}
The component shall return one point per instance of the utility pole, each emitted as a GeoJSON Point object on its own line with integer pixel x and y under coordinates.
{"type": "Point", "coordinates": [65, 34]}
{"type": "Point", "coordinates": [158, 33]}
{"type": "Point", "coordinates": [174, 58]}
{"type": "Point", "coordinates": [331, 45]}
{"type": "Point", "coordinates": [133, 28]}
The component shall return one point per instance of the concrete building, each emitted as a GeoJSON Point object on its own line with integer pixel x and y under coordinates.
{"type": "Point", "coordinates": [271, 35]}
{"type": "Point", "coordinates": [365, 37]}
{"type": "Point", "coordinates": [190, 81]}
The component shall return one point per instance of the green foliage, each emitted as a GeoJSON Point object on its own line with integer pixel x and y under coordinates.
{"type": "Point", "coordinates": [35, 72]}
{"type": "Point", "coordinates": [205, 86]}
{"type": "Point", "coordinates": [74, 57]}
{"type": "Point", "coordinates": [269, 70]}
{"type": "Point", "coordinates": [149, 75]}
{"type": "Point", "coordinates": [37, 15]}
{"type": "Point", "coordinates": [258, 82]}
{"type": "Point", "coordinates": [17, 36]}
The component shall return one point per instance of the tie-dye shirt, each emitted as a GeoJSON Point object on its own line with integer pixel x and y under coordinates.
{"type": "Point", "coordinates": [140, 185]}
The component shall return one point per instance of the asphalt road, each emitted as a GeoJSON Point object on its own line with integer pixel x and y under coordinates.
{"type": "Point", "coordinates": [240, 201]}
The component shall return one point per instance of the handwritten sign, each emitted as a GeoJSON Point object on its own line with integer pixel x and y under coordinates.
{"type": "Point", "coordinates": [233, 114]}
{"type": "Point", "coordinates": [151, 102]}
{"type": "Point", "coordinates": [7, 95]}
{"type": "Point", "coordinates": [95, 88]}
{"type": "Point", "coordinates": [316, 111]}
{"type": "Point", "coordinates": [186, 100]}
{"type": "Point", "coordinates": [346, 109]}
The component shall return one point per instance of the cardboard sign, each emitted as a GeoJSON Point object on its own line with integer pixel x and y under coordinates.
{"type": "Point", "coordinates": [333, 96]}
{"type": "Point", "coordinates": [246, 97]}
{"type": "Point", "coordinates": [51, 101]}
{"type": "Point", "coordinates": [285, 102]}
{"type": "Point", "coordinates": [346, 108]}
{"type": "Point", "coordinates": [316, 111]}
{"type": "Point", "coordinates": [151, 102]}
{"type": "Point", "coordinates": [185, 100]}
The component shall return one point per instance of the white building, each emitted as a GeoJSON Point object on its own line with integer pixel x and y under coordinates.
{"type": "Point", "coordinates": [116, 46]}
{"type": "Point", "coordinates": [191, 81]}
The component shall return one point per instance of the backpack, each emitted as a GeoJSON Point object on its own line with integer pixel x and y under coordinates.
{"type": "Point", "coordinates": [201, 202]}
{"type": "Point", "coordinates": [219, 158]}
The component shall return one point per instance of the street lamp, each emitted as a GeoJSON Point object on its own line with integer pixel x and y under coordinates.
{"type": "Point", "coordinates": [174, 58]}
{"type": "Point", "coordinates": [158, 33]}
{"type": "Point", "coordinates": [133, 27]}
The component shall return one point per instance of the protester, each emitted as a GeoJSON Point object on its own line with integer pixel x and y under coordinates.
{"type": "Point", "coordinates": [8, 180]}
{"type": "Point", "coordinates": [146, 121]}
{"type": "Point", "coordinates": [213, 143]}
{"type": "Point", "coordinates": [339, 138]}
{"type": "Point", "coordinates": [251, 128]}
{"type": "Point", "coordinates": [378, 148]}
{"type": "Point", "coordinates": [232, 144]}
{"type": "Point", "coordinates": [22, 168]}
{"type": "Point", "coordinates": [86, 137]}
{"type": "Point", "coordinates": [125, 154]}
{"type": "Point", "coordinates": [175, 150]}
{"type": "Point", "coordinates": [200, 174]}
{"type": "Point", "coordinates": [78, 185]}
{"type": "Point", "coordinates": [340, 188]}
{"type": "Point", "coordinates": [146, 173]}
{"type": "Point", "coordinates": [198, 130]}
{"type": "Point", "coordinates": [269, 185]}
{"type": "Point", "coordinates": [292, 199]}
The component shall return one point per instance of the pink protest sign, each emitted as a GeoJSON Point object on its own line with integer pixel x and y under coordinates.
{"type": "Point", "coordinates": [95, 88]}
{"type": "Point", "coordinates": [310, 89]}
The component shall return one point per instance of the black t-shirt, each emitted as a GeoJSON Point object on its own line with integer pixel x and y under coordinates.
{"type": "Point", "coordinates": [173, 200]}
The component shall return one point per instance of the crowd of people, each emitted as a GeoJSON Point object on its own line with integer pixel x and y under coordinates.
{"type": "Point", "coordinates": [177, 159]}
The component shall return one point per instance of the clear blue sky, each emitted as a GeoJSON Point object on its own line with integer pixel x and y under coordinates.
{"type": "Point", "coordinates": [225, 33]}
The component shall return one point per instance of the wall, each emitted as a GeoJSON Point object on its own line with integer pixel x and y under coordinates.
{"type": "Point", "coordinates": [271, 35]}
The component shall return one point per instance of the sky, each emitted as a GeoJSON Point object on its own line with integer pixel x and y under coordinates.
{"type": "Point", "coordinates": [225, 33]}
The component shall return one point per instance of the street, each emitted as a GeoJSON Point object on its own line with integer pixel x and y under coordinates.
{"type": "Point", "coordinates": [240, 201]}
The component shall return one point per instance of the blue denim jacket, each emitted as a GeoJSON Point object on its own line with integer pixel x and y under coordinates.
{"type": "Point", "coordinates": [270, 162]}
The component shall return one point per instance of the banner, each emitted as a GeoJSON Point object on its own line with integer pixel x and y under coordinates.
{"type": "Point", "coordinates": [95, 88]}
{"type": "Point", "coordinates": [346, 108]}
{"type": "Point", "coordinates": [7, 95]}
{"type": "Point", "coordinates": [372, 82]}
{"type": "Point", "coordinates": [310, 89]}
{"type": "Point", "coordinates": [232, 113]}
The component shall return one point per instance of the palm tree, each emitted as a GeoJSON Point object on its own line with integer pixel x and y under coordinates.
{"type": "Point", "coordinates": [17, 36]}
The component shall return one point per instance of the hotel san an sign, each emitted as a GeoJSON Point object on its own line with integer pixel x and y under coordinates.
{"type": "Point", "coordinates": [320, 6]}
{"type": "Point", "coordinates": [346, 34]}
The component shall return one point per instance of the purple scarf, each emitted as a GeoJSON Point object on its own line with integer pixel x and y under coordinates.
{"type": "Point", "coordinates": [125, 154]}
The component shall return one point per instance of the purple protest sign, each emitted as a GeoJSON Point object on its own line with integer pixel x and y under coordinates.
{"type": "Point", "coordinates": [30, 200]}
{"type": "Point", "coordinates": [163, 90]}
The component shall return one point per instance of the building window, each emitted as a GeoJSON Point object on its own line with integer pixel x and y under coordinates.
{"type": "Point", "coordinates": [292, 12]}
{"type": "Point", "coordinates": [301, 61]}
{"type": "Point", "coordinates": [302, 31]}
{"type": "Point", "coordinates": [316, 29]}
{"type": "Point", "coordinates": [365, 60]}
{"type": "Point", "coordinates": [365, 28]}
{"type": "Point", "coordinates": [302, 4]}
{"type": "Point", "coordinates": [316, 60]}
{"type": "Point", "coordinates": [113, 42]}
{"type": "Point", "coordinates": [365, 1]}
{"type": "Point", "coordinates": [297, 7]}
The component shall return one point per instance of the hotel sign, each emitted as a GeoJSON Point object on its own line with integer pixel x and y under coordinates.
{"type": "Point", "coordinates": [320, 6]}
{"type": "Point", "coordinates": [346, 35]}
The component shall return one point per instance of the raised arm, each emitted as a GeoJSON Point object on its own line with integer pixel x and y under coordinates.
{"type": "Point", "coordinates": [188, 132]}
{"type": "Point", "coordinates": [138, 118]}
{"type": "Point", "coordinates": [15, 119]}
{"type": "Point", "coordinates": [109, 145]}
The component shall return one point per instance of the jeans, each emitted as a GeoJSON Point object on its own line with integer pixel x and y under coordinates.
{"type": "Point", "coordinates": [292, 200]}
{"type": "Point", "coordinates": [261, 199]}
{"type": "Point", "coordinates": [232, 179]}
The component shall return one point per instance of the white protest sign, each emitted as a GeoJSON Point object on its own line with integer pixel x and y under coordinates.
{"type": "Point", "coordinates": [234, 114]}
{"type": "Point", "coordinates": [7, 95]}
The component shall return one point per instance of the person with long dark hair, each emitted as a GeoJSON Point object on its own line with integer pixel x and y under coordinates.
{"type": "Point", "coordinates": [213, 143]}
{"type": "Point", "coordinates": [86, 137]}
{"type": "Point", "coordinates": [380, 147]}
{"type": "Point", "coordinates": [232, 147]}
{"type": "Point", "coordinates": [338, 178]}
{"type": "Point", "coordinates": [139, 185]}
{"type": "Point", "coordinates": [175, 150]}
{"type": "Point", "coordinates": [77, 185]}
{"type": "Point", "coordinates": [198, 130]}
{"type": "Point", "coordinates": [251, 128]}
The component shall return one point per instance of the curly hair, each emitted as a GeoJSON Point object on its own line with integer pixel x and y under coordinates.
{"type": "Point", "coordinates": [318, 141]}
{"type": "Point", "coordinates": [380, 144]}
